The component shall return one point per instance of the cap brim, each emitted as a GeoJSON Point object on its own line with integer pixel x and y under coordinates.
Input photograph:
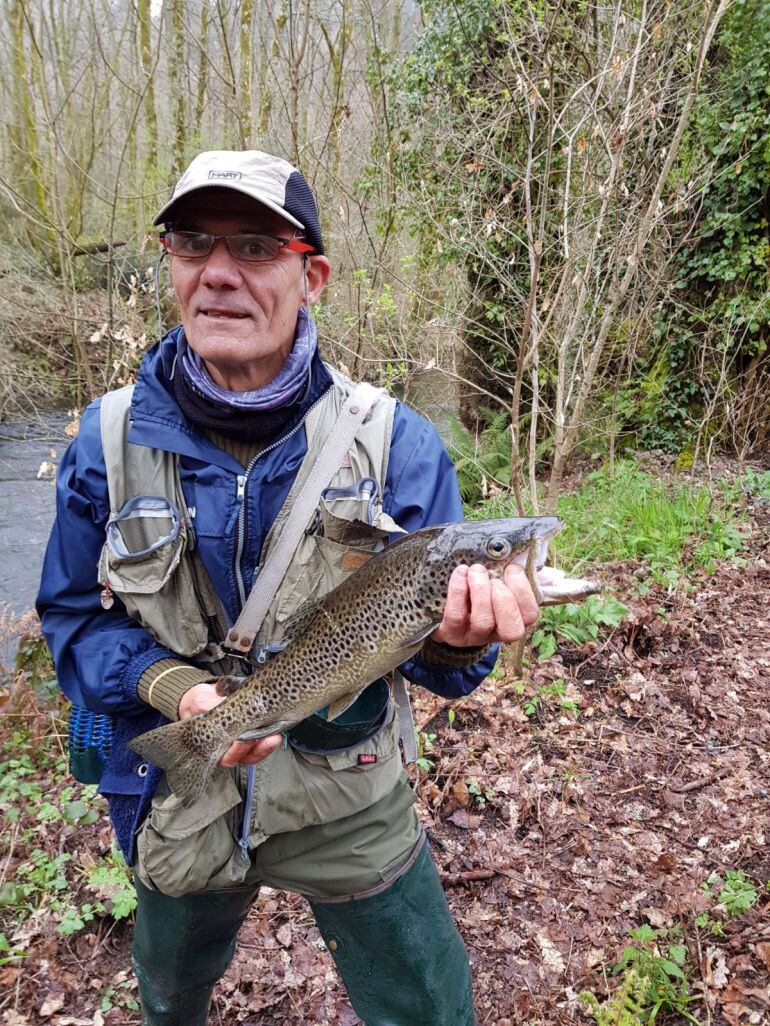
{"type": "Point", "coordinates": [163, 215]}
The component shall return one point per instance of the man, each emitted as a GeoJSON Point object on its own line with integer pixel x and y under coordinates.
{"type": "Point", "coordinates": [179, 490]}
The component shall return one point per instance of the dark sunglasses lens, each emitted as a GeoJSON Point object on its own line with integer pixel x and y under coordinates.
{"type": "Point", "coordinates": [188, 244]}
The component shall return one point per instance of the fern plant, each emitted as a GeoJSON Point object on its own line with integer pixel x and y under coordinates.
{"type": "Point", "coordinates": [625, 1008]}
{"type": "Point", "coordinates": [485, 460]}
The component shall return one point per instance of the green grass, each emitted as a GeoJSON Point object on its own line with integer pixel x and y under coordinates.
{"type": "Point", "coordinates": [633, 515]}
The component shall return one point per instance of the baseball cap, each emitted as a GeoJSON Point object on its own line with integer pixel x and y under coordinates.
{"type": "Point", "coordinates": [270, 180]}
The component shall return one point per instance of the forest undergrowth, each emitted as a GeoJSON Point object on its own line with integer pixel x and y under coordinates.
{"type": "Point", "coordinates": [601, 824]}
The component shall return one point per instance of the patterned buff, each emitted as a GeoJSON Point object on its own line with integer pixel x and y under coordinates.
{"type": "Point", "coordinates": [286, 387]}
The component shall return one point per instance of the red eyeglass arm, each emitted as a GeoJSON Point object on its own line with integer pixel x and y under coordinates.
{"type": "Point", "coordinates": [297, 246]}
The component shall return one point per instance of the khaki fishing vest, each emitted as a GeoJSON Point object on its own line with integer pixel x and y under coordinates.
{"type": "Point", "coordinates": [149, 560]}
{"type": "Point", "coordinates": [149, 557]}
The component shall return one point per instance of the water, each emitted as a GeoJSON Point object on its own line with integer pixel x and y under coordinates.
{"type": "Point", "coordinates": [27, 504]}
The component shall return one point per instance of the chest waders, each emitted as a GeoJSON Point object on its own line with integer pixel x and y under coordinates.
{"type": "Point", "coordinates": [393, 941]}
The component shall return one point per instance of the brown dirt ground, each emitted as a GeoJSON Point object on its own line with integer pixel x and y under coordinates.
{"type": "Point", "coordinates": [594, 823]}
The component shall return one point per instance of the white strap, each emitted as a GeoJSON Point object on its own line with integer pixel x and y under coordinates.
{"type": "Point", "coordinates": [351, 417]}
{"type": "Point", "coordinates": [406, 727]}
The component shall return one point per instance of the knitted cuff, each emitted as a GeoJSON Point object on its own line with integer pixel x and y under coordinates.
{"type": "Point", "coordinates": [439, 654]}
{"type": "Point", "coordinates": [165, 694]}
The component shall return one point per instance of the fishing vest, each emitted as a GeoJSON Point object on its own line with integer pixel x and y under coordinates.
{"type": "Point", "coordinates": [149, 558]}
{"type": "Point", "coordinates": [150, 561]}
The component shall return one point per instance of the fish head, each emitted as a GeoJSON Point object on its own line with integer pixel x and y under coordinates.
{"type": "Point", "coordinates": [492, 543]}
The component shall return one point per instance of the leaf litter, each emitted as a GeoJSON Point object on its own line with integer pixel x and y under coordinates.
{"type": "Point", "coordinates": [554, 833]}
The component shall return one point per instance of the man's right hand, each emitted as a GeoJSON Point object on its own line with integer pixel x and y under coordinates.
{"type": "Point", "coordinates": [203, 697]}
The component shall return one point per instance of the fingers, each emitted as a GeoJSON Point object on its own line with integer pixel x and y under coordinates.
{"type": "Point", "coordinates": [482, 618]}
{"type": "Point", "coordinates": [481, 609]}
{"type": "Point", "coordinates": [515, 578]}
{"type": "Point", "coordinates": [249, 753]}
{"type": "Point", "coordinates": [199, 699]}
{"type": "Point", "coordinates": [457, 609]}
{"type": "Point", "coordinates": [508, 618]}
{"type": "Point", "coordinates": [468, 612]}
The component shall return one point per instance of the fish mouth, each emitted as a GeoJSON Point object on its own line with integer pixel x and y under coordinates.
{"type": "Point", "coordinates": [548, 528]}
{"type": "Point", "coordinates": [541, 553]}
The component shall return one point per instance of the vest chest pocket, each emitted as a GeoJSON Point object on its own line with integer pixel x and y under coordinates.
{"type": "Point", "coordinates": [142, 557]}
{"type": "Point", "coordinates": [348, 529]}
{"type": "Point", "coordinates": [296, 789]}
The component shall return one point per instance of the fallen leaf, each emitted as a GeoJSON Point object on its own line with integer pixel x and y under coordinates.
{"type": "Point", "coordinates": [465, 820]}
{"type": "Point", "coordinates": [53, 1002]}
{"type": "Point", "coordinates": [657, 917]}
{"type": "Point", "coordinates": [14, 1018]}
{"type": "Point", "coordinates": [716, 968]}
{"type": "Point", "coordinates": [550, 954]}
{"type": "Point", "coordinates": [460, 791]}
{"type": "Point", "coordinates": [283, 935]}
{"type": "Point", "coordinates": [763, 950]}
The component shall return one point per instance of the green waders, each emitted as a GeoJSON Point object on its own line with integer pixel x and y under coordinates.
{"type": "Point", "coordinates": [182, 946]}
{"type": "Point", "coordinates": [398, 952]}
{"type": "Point", "coordinates": [384, 918]}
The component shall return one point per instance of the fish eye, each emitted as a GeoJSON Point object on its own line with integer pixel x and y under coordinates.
{"type": "Point", "coordinates": [498, 548]}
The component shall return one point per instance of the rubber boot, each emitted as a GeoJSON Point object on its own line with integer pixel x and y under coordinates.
{"type": "Point", "coordinates": [182, 946]}
{"type": "Point", "coordinates": [400, 956]}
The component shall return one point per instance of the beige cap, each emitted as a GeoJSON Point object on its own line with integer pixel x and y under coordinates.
{"type": "Point", "coordinates": [261, 176]}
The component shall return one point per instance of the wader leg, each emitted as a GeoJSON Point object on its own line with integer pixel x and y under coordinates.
{"type": "Point", "coordinates": [182, 946]}
{"type": "Point", "coordinates": [400, 956]}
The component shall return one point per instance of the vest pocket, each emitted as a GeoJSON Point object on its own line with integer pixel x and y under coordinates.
{"type": "Point", "coordinates": [337, 544]}
{"type": "Point", "coordinates": [184, 849]}
{"type": "Point", "coordinates": [142, 562]}
{"type": "Point", "coordinates": [297, 789]}
{"type": "Point", "coordinates": [145, 540]}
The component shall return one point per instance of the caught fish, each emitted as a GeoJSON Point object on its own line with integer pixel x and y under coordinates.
{"type": "Point", "coordinates": [337, 645]}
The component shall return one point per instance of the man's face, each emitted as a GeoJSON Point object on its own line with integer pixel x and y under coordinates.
{"type": "Point", "coordinates": [240, 317]}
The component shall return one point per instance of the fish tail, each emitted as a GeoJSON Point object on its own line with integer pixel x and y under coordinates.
{"type": "Point", "coordinates": [188, 773]}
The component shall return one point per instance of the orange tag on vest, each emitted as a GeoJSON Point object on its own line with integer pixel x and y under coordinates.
{"type": "Point", "coordinates": [354, 560]}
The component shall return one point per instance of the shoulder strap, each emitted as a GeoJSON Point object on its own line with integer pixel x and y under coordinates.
{"type": "Point", "coordinates": [336, 444]}
{"type": "Point", "coordinates": [113, 424]}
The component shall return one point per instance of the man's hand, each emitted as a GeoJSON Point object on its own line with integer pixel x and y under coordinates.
{"type": "Point", "coordinates": [202, 697]}
{"type": "Point", "coordinates": [481, 609]}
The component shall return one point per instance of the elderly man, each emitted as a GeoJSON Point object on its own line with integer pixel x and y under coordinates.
{"type": "Point", "coordinates": [171, 502]}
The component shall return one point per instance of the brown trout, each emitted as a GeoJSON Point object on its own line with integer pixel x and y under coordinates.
{"type": "Point", "coordinates": [337, 645]}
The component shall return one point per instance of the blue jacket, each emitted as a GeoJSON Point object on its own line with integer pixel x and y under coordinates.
{"type": "Point", "coordinates": [101, 654]}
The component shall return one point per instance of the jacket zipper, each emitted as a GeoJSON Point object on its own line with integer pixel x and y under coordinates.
{"type": "Point", "coordinates": [241, 497]}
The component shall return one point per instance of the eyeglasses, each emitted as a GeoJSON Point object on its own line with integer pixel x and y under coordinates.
{"type": "Point", "coordinates": [251, 248]}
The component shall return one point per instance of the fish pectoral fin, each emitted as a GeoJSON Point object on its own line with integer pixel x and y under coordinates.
{"type": "Point", "coordinates": [272, 728]}
{"type": "Point", "coordinates": [338, 707]}
{"type": "Point", "coordinates": [419, 636]}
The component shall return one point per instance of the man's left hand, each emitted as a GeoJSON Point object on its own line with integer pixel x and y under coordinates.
{"type": "Point", "coordinates": [481, 609]}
